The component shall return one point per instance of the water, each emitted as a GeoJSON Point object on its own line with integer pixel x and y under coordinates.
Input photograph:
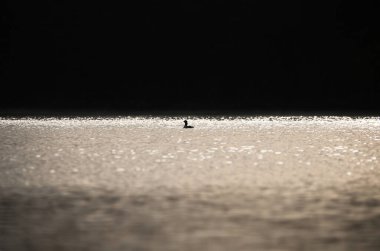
{"type": "Point", "coordinates": [145, 183]}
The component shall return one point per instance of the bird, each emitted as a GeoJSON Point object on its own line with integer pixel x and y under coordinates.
{"type": "Point", "coordinates": [187, 126]}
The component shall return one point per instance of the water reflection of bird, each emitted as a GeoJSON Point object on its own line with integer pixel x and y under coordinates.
{"type": "Point", "coordinates": [187, 126]}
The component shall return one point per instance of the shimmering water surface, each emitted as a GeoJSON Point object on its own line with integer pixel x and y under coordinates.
{"type": "Point", "coordinates": [231, 183]}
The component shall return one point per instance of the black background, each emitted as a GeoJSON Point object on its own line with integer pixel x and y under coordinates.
{"type": "Point", "coordinates": [266, 56]}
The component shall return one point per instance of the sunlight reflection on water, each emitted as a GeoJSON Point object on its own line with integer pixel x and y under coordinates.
{"type": "Point", "coordinates": [231, 182]}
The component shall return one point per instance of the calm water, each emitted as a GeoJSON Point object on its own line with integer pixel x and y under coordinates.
{"type": "Point", "coordinates": [145, 183]}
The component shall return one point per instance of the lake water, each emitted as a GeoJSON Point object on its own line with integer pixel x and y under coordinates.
{"type": "Point", "coordinates": [231, 183]}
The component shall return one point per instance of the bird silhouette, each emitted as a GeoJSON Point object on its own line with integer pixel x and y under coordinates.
{"type": "Point", "coordinates": [187, 126]}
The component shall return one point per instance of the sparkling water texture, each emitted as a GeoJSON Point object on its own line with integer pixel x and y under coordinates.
{"type": "Point", "coordinates": [146, 183]}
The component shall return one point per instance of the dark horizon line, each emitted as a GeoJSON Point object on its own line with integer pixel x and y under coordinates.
{"type": "Point", "coordinates": [37, 113]}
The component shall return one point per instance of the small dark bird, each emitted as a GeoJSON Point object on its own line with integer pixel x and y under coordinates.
{"type": "Point", "coordinates": [187, 126]}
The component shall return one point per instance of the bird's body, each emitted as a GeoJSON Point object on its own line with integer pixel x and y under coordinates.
{"type": "Point", "coordinates": [187, 126]}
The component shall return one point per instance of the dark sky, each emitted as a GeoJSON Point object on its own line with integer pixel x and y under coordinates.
{"type": "Point", "coordinates": [223, 55]}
